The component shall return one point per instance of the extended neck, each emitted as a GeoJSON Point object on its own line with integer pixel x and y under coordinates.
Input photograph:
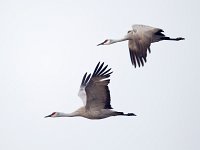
{"type": "Point", "coordinates": [119, 40]}
{"type": "Point", "coordinates": [73, 114]}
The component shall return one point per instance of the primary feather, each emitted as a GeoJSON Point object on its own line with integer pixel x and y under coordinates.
{"type": "Point", "coordinates": [96, 88]}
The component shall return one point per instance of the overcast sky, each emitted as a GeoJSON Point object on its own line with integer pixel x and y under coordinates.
{"type": "Point", "coordinates": [46, 46]}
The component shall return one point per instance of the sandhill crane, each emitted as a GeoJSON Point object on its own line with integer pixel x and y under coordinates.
{"type": "Point", "coordinates": [95, 95]}
{"type": "Point", "coordinates": [139, 41]}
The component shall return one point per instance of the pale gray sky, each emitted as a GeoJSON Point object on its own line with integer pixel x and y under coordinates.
{"type": "Point", "coordinates": [45, 48]}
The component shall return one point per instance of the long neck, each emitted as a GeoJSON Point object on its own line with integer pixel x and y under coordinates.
{"type": "Point", "coordinates": [120, 40]}
{"type": "Point", "coordinates": [73, 114]}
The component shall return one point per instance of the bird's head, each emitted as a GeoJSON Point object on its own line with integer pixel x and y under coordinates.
{"type": "Point", "coordinates": [54, 114]}
{"type": "Point", "coordinates": [106, 42]}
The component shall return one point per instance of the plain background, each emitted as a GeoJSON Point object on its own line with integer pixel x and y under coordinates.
{"type": "Point", "coordinates": [46, 46]}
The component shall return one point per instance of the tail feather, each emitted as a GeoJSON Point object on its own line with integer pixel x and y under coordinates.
{"type": "Point", "coordinates": [159, 32]}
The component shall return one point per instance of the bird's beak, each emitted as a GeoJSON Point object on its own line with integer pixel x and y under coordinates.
{"type": "Point", "coordinates": [47, 116]}
{"type": "Point", "coordinates": [100, 44]}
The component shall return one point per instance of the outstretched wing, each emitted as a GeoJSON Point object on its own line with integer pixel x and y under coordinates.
{"type": "Point", "coordinates": [95, 88]}
{"type": "Point", "coordinates": [142, 37]}
{"type": "Point", "coordinates": [82, 92]}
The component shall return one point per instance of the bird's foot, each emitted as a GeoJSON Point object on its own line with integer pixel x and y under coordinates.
{"type": "Point", "coordinates": [180, 38]}
{"type": "Point", "coordinates": [131, 114]}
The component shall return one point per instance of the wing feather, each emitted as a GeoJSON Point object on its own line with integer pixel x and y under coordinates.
{"type": "Point", "coordinates": [96, 88]}
{"type": "Point", "coordinates": [82, 92]}
{"type": "Point", "coordinates": [141, 39]}
{"type": "Point", "coordinates": [102, 70]}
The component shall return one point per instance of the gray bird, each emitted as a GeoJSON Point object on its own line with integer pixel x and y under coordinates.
{"type": "Point", "coordinates": [95, 94]}
{"type": "Point", "coordinates": [139, 41]}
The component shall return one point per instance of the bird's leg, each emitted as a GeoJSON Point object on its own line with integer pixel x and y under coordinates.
{"type": "Point", "coordinates": [173, 39]}
{"type": "Point", "coordinates": [123, 114]}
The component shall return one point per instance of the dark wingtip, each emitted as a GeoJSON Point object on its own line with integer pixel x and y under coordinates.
{"type": "Point", "coordinates": [96, 68]}
{"type": "Point", "coordinates": [149, 49]}
{"type": "Point", "coordinates": [85, 79]}
{"type": "Point", "coordinates": [100, 70]}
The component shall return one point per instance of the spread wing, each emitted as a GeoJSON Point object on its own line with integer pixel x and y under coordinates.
{"type": "Point", "coordinates": [94, 88]}
{"type": "Point", "coordinates": [141, 39]}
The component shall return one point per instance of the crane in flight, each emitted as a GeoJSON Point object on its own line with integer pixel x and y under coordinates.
{"type": "Point", "coordinates": [95, 94]}
{"type": "Point", "coordinates": [139, 41]}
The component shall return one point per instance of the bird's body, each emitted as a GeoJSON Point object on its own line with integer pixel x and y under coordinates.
{"type": "Point", "coordinates": [95, 113]}
{"type": "Point", "coordinates": [95, 95]}
{"type": "Point", "coordinates": [139, 41]}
